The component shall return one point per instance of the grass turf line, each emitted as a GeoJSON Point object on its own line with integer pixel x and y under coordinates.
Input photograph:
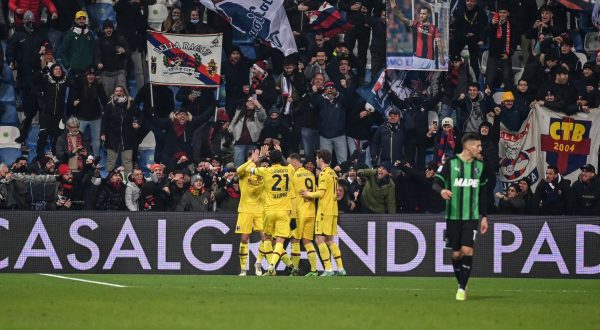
{"type": "Point", "coordinates": [230, 302]}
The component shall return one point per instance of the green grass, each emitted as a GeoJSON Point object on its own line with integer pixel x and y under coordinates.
{"type": "Point", "coordinates": [229, 302]}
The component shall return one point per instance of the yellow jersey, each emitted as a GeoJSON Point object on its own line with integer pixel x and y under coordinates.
{"type": "Point", "coordinates": [251, 189]}
{"type": "Point", "coordinates": [303, 179]}
{"type": "Point", "coordinates": [278, 187]}
{"type": "Point", "coordinates": [327, 193]}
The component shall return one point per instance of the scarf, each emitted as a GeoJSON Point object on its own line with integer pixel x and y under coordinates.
{"type": "Point", "coordinates": [71, 148]}
{"type": "Point", "coordinates": [232, 193]}
{"type": "Point", "coordinates": [116, 185]}
{"type": "Point", "coordinates": [119, 99]}
{"type": "Point", "coordinates": [257, 81]}
{"type": "Point", "coordinates": [286, 91]}
{"type": "Point", "coordinates": [80, 30]}
{"type": "Point", "coordinates": [444, 147]}
{"type": "Point", "coordinates": [196, 192]}
{"type": "Point", "coordinates": [499, 36]}
{"type": "Point", "coordinates": [179, 129]}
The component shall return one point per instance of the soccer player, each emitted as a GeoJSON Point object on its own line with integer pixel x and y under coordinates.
{"type": "Point", "coordinates": [461, 182]}
{"type": "Point", "coordinates": [425, 34]}
{"type": "Point", "coordinates": [250, 213]}
{"type": "Point", "coordinates": [278, 194]}
{"type": "Point", "coordinates": [327, 214]}
{"type": "Point", "coordinates": [303, 179]}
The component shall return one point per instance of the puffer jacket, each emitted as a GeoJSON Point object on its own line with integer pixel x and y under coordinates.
{"type": "Point", "coordinates": [111, 198]}
{"type": "Point", "coordinates": [51, 93]}
{"type": "Point", "coordinates": [35, 6]}
{"type": "Point", "coordinates": [117, 124]}
{"type": "Point", "coordinates": [132, 196]}
{"type": "Point", "coordinates": [389, 140]}
{"type": "Point", "coordinates": [189, 202]}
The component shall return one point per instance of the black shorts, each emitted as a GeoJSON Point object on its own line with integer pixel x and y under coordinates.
{"type": "Point", "coordinates": [461, 233]}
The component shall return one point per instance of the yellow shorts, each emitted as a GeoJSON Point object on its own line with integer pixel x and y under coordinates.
{"type": "Point", "coordinates": [305, 228]}
{"type": "Point", "coordinates": [326, 225]}
{"type": "Point", "coordinates": [247, 222]}
{"type": "Point", "coordinates": [277, 223]}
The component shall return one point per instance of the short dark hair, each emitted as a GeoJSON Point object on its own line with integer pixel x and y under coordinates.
{"type": "Point", "coordinates": [470, 137]}
{"type": "Point", "coordinates": [476, 85]}
{"type": "Point", "coordinates": [426, 8]}
{"type": "Point", "coordinates": [554, 168]}
{"type": "Point", "coordinates": [295, 156]}
{"type": "Point", "coordinates": [325, 155]}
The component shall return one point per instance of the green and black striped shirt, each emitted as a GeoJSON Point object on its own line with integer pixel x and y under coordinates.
{"type": "Point", "coordinates": [466, 181]}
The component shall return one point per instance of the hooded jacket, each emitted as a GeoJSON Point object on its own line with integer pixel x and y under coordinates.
{"type": "Point", "coordinates": [378, 197]}
{"type": "Point", "coordinates": [472, 112]}
{"type": "Point", "coordinates": [51, 93]}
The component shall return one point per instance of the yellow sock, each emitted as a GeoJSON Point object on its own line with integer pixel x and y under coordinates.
{"type": "Point", "coordinates": [243, 255]}
{"type": "Point", "coordinates": [312, 256]}
{"type": "Point", "coordinates": [261, 252]}
{"type": "Point", "coordinates": [285, 258]}
{"type": "Point", "coordinates": [337, 255]}
{"type": "Point", "coordinates": [325, 256]}
{"type": "Point", "coordinates": [277, 254]}
{"type": "Point", "coordinates": [268, 250]}
{"type": "Point", "coordinates": [296, 254]}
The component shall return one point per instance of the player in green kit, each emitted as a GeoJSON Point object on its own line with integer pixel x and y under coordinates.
{"type": "Point", "coordinates": [460, 183]}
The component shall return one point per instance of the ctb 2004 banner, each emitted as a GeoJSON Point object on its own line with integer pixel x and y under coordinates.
{"type": "Point", "coordinates": [187, 243]}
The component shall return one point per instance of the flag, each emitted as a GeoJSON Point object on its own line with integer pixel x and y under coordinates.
{"type": "Point", "coordinates": [581, 5]}
{"type": "Point", "coordinates": [265, 20]}
{"type": "Point", "coordinates": [376, 93]}
{"type": "Point", "coordinates": [329, 20]}
{"type": "Point", "coordinates": [549, 138]}
{"type": "Point", "coordinates": [188, 60]}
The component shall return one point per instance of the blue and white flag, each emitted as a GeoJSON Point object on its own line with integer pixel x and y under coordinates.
{"type": "Point", "coordinates": [377, 91]}
{"type": "Point", "coordinates": [263, 19]}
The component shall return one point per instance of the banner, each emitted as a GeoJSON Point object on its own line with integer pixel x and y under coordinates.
{"type": "Point", "coordinates": [377, 91]}
{"type": "Point", "coordinates": [549, 138]}
{"type": "Point", "coordinates": [184, 59]}
{"type": "Point", "coordinates": [205, 243]}
{"type": "Point", "coordinates": [263, 19]}
{"type": "Point", "coordinates": [418, 35]}
{"type": "Point", "coordinates": [328, 19]}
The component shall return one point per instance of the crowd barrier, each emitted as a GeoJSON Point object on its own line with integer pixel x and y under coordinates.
{"type": "Point", "coordinates": [205, 243]}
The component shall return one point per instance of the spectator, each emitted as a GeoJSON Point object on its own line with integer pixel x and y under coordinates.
{"type": "Point", "coordinates": [120, 126]}
{"type": "Point", "coordinates": [51, 90]}
{"type": "Point", "coordinates": [523, 99]}
{"type": "Point", "coordinates": [470, 23]}
{"type": "Point", "coordinates": [502, 44]}
{"type": "Point", "coordinates": [76, 185]}
{"type": "Point", "coordinates": [331, 106]}
{"type": "Point", "coordinates": [292, 87]}
{"type": "Point", "coordinates": [544, 32]}
{"type": "Point", "coordinates": [523, 19]}
{"type": "Point", "coordinates": [58, 27]}
{"type": "Point", "coordinates": [359, 121]}
{"type": "Point", "coordinates": [379, 193]}
{"type": "Point", "coordinates": [527, 195]}
{"type": "Point", "coordinates": [111, 195]}
{"type": "Point", "coordinates": [197, 100]}
{"type": "Point", "coordinates": [444, 141]}
{"type": "Point", "coordinates": [586, 86]}
{"type": "Point", "coordinates": [262, 85]}
{"type": "Point", "coordinates": [458, 76]}
{"type": "Point", "coordinates": [112, 52]}
{"type": "Point", "coordinates": [77, 50]}
{"type": "Point", "coordinates": [175, 189]}
{"type": "Point", "coordinates": [427, 199]}
{"type": "Point", "coordinates": [345, 200]}
{"type": "Point", "coordinates": [559, 95]}
{"type": "Point", "coordinates": [153, 197]}
{"type": "Point", "coordinates": [307, 120]}
{"type": "Point", "coordinates": [510, 116]}
{"type": "Point", "coordinates": [541, 70]}
{"type": "Point", "coordinates": [586, 192]}
{"type": "Point", "coordinates": [20, 7]}
{"type": "Point", "coordinates": [317, 64]}
{"type": "Point", "coordinates": [132, 20]}
{"type": "Point", "coordinates": [473, 109]}
{"type": "Point", "coordinates": [246, 127]}
{"type": "Point", "coordinates": [512, 202]}
{"type": "Point", "coordinates": [228, 195]}
{"type": "Point", "coordinates": [173, 20]}
{"type": "Point", "coordinates": [552, 195]}
{"type": "Point", "coordinates": [378, 23]}
{"type": "Point", "coordinates": [358, 14]}
{"type": "Point", "coordinates": [235, 72]}
{"type": "Point", "coordinates": [133, 190]}
{"type": "Point", "coordinates": [195, 25]}
{"type": "Point", "coordinates": [388, 141]}
{"type": "Point", "coordinates": [47, 166]}
{"type": "Point", "coordinates": [490, 151]}
{"type": "Point", "coordinates": [275, 128]}
{"type": "Point", "coordinates": [569, 59]}
{"type": "Point", "coordinates": [88, 100]}
{"type": "Point", "coordinates": [72, 148]}
{"type": "Point", "coordinates": [196, 198]}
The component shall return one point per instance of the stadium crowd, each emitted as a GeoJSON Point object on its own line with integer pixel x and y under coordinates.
{"type": "Point", "coordinates": [74, 70]}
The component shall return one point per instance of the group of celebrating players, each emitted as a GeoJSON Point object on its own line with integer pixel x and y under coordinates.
{"type": "Point", "coordinates": [279, 201]}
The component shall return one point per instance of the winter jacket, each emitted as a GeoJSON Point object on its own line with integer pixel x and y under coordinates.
{"type": "Point", "coordinates": [132, 20]}
{"type": "Point", "coordinates": [227, 203]}
{"type": "Point", "coordinates": [474, 21]}
{"type": "Point", "coordinates": [255, 123]}
{"type": "Point", "coordinates": [132, 196]}
{"type": "Point", "coordinates": [77, 50]}
{"type": "Point", "coordinates": [553, 198]}
{"type": "Point", "coordinates": [205, 100]}
{"type": "Point", "coordinates": [511, 205]}
{"type": "Point", "coordinates": [471, 113]}
{"type": "Point", "coordinates": [66, 14]}
{"type": "Point", "coordinates": [490, 149]}
{"type": "Point", "coordinates": [105, 52]}
{"type": "Point", "coordinates": [498, 46]}
{"type": "Point", "coordinates": [51, 93]}
{"type": "Point", "coordinates": [360, 128]}
{"type": "Point", "coordinates": [586, 197]}
{"type": "Point", "coordinates": [565, 97]}
{"type": "Point", "coordinates": [511, 118]}
{"type": "Point", "coordinates": [117, 125]}
{"type": "Point", "coordinates": [389, 140]}
{"type": "Point", "coordinates": [332, 115]}
{"type": "Point", "coordinates": [536, 73]}
{"type": "Point", "coordinates": [35, 6]}
{"type": "Point", "coordinates": [378, 197]}
{"type": "Point", "coordinates": [92, 99]}
{"type": "Point", "coordinates": [111, 198]}
{"type": "Point", "coordinates": [23, 50]}
{"type": "Point", "coordinates": [174, 143]}
{"type": "Point", "coordinates": [189, 202]}
{"type": "Point", "coordinates": [62, 147]}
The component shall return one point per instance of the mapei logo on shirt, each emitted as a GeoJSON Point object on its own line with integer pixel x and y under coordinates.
{"type": "Point", "coordinates": [461, 182]}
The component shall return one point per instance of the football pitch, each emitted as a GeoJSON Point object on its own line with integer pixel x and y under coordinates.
{"type": "Point", "coordinates": [35, 301]}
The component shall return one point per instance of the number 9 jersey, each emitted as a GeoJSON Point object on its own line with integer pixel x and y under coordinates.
{"type": "Point", "coordinates": [303, 179]}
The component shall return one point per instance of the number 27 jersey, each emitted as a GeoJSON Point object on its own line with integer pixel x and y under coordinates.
{"type": "Point", "coordinates": [278, 187]}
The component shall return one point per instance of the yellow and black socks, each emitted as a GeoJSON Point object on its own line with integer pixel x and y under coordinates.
{"type": "Point", "coordinates": [296, 254]}
{"type": "Point", "coordinates": [337, 255]}
{"type": "Point", "coordinates": [278, 253]}
{"type": "Point", "coordinates": [285, 258]}
{"type": "Point", "coordinates": [243, 255]}
{"type": "Point", "coordinates": [312, 256]}
{"type": "Point", "coordinates": [261, 252]}
{"type": "Point", "coordinates": [325, 256]}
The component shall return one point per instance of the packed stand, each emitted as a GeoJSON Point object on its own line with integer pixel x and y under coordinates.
{"type": "Point", "coordinates": [73, 70]}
